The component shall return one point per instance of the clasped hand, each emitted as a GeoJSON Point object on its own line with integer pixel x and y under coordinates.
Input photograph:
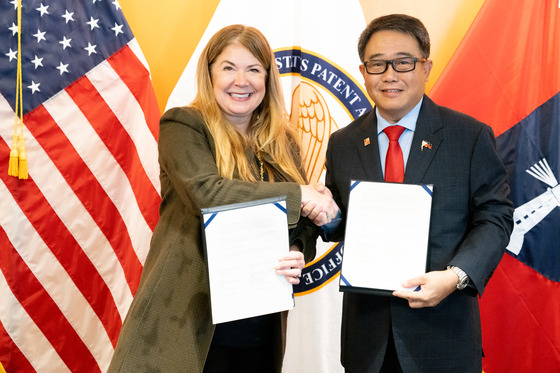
{"type": "Point", "coordinates": [317, 204]}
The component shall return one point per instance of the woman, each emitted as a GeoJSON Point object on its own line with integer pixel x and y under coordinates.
{"type": "Point", "coordinates": [233, 144]}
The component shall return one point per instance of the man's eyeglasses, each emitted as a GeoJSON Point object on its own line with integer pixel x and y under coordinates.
{"type": "Point", "coordinates": [400, 65]}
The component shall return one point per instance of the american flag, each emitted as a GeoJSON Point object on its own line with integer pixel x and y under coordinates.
{"type": "Point", "coordinates": [74, 236]}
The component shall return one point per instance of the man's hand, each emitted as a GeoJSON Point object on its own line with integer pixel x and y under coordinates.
{"type": "Point", "coordinates": [435, 286]}
{"type": "Point", "coordinates": [317, 204]}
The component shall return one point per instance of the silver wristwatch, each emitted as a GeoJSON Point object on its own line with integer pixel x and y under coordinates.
{"type": "Point", "coordinates": [463, 277]}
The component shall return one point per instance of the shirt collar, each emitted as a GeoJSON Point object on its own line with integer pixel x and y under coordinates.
{"type": "Point", "coordinates": [408, 121]}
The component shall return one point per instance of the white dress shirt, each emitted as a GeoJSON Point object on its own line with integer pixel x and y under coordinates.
{"type": "Point", "coordinates": [405, 141]}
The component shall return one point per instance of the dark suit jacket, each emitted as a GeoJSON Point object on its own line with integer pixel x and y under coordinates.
{"type": "Point", "coordinates": [168, 327]}
{"type": "Point", "coordinates": [470, 226]}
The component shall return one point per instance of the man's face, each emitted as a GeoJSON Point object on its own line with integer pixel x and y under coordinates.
{"type": "Point", "coordinates": [395, 94]}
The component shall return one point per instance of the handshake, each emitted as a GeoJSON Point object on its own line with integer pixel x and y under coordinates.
{"type": "Point", "coordinates": [317, 204]}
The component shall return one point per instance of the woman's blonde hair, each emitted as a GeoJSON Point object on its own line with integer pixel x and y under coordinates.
{"type": "Point", "coordinates": [270, 132]}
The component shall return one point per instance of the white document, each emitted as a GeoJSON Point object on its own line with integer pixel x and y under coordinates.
{"type": "Point", "coordinates": [243, 243]}
{"type": "Point", "coordinates": [386, 240]}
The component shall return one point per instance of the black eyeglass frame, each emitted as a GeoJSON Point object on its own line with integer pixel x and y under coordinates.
{"type": "Point", "coordinates": [392, 63]}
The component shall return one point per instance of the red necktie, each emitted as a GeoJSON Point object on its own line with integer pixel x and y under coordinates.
{"type": "Point", "coordinates": [394, 164]}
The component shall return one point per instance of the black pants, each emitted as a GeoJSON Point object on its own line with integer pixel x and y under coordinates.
{"type": "Point", "coordinates": [391, 361]}
{"type": "Point", "coordinates": [226, 359]}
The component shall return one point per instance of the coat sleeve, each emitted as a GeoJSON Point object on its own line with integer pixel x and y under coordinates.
{"type": "Point", "coordinates": [491, 214]}
{"type": "Point", "coordinates": [188, 165]}
{"type": "Point", "coordinates": [304, 236]}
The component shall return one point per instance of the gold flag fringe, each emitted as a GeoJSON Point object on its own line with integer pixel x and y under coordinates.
{"type": "Point", "coordinates": [18, 156]}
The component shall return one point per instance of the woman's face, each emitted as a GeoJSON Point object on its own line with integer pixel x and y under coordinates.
{"type": "Point", "coordinates": [239, 83]}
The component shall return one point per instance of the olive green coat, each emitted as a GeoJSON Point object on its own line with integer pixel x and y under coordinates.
{"type": "Point", "coordinates": [168, 327]}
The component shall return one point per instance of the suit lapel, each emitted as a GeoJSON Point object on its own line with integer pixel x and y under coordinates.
{"type": "Point", "coordinates": [368, 148]}
{"type": "Point", "coordinates": [425, 143]}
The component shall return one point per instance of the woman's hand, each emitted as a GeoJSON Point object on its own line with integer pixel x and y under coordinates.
{"type": "Point", "coordinates": [317, 204]}
{"type": "Point", "coordinates": [291, 265]}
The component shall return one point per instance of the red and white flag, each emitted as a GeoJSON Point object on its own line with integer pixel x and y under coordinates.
{"type": "Point", "coordinates": [506, 73]}
{"type": "Point", "coordinates": [74, 235]}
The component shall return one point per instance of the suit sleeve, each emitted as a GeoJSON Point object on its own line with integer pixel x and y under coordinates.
{"type": "Point", "coordinates": [491, 214]}
{"type": "Point", "coordinates": [188, 165]}
{"type": "Point", "coordinates": [333, 232]}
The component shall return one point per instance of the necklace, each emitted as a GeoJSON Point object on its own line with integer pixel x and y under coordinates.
{"type": "Point", "coordinates": [259, 158]}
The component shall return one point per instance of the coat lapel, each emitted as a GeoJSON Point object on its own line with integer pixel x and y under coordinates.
{"type": "Point", "coordinates": [368, 148]}
{"type": "Point", "coordinates": [425, 143]}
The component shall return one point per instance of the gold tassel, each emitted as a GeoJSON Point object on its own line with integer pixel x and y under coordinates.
{"type": "Point", "coordinates": [22, 174]}
{"type": "Point", "coordinates": [18, 158]}
{"type": "Point", "coordinates": [13, 166]}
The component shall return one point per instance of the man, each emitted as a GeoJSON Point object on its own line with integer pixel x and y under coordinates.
{"type": "Point", "coordinates": [435, 329]}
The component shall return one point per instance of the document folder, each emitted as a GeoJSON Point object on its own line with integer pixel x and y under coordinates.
{"type": "Point", "coordinates": [242, 243]}
{"type": "Point", "coordinates": [386, 237]}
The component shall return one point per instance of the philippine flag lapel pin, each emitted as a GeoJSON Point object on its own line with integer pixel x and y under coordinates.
{"type": "Point", "coordinates": [425, 144]}
{"type": "Point", "coordinates": [366, 141]}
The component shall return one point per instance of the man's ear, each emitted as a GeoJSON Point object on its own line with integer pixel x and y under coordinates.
{"type": "Point", "coordinates": [428, 68]}
{"type": "Point", "coordinates": [363, 70]}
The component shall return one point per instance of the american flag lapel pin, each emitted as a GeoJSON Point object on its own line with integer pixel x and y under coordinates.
{"type": "Point", "coordinates": [366, 141]}
{"type": "Point", "coordinates": [425, 144]}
